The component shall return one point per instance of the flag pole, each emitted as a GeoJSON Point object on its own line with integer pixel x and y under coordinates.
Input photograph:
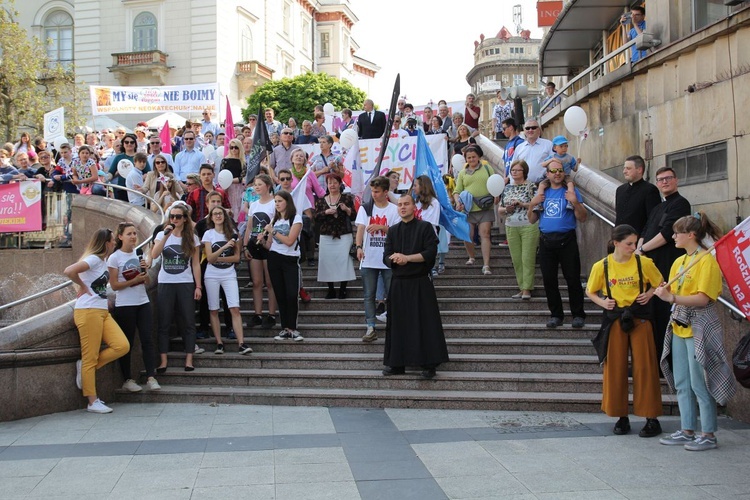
{"type": "Point", "coordinates": [692, 263]}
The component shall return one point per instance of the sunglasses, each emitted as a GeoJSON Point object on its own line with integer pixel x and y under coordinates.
{"type": "Point", "coordinates": [282, 179]}
{"type": "Point", "coordinates": [555, 170]}
{"type": "Point", "coordinates": [160, 162]}
{"type": "Point", "coordinates": [154, 143]}
{"type": "Point", "coordinates": [531, 128]}
{"type": "Point", "coordinates": [176, 216]}
{"type": "Point", "coordinates": [234, 147]}
{"type": "Point", "coordinates": [189, 138]}
{"type": "Point", "coordinates": [128, 142]}
{"type": "Point", "coordinates": [205, 114]}
{"type": "Point", "coordinates": [287, 133]}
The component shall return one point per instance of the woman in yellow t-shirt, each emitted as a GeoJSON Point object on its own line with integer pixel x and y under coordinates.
{"type": "Point", "coordinates": [627, 315]}
{"type": "Point", "coordinates": [692, 297]}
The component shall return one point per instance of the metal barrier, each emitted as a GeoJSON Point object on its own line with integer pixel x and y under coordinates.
{"type": "Point", "coordinates": [60, 286]}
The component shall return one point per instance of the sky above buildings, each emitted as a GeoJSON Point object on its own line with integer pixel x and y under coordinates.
{"type": "Point", "coordinates": [430, 42]}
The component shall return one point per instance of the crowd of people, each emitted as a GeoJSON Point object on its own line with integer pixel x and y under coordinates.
{"type": "Point", "coordinates": [399, 246]}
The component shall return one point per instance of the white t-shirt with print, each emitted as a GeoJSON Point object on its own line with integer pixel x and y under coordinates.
{"type": "Point", "coordinates": [260, 215]}
{"type": "Point", "coordinates": [175, 265]}
{"type": "Point", "coordinates": [133, 295]}
{"type": "Point", "coordinates": [373, 245]}
{"type": "Point", "coordinates": [282, 226]}
{"type": "Point", "coordinates": [429, 214]}
{"type": "Point", "coordinates": [219, 270]}
{"type": "Point", "coordinates": [96, 279]}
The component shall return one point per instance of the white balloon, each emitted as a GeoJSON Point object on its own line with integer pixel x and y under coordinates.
{"type": "Point", "coordinates": [328, 109]}
{"type": "Point", "coordinates": [124, 167]}
{"type": "Point", "coordinates": [575, 120]}
{"type": "Point", "coordinates": [207, 150]}
{"type": "Point", "coordinates": [59, 142]}
{"type": "Point", "coordinates": [348, 139]}
{"type": "Point", "coordinates": [495, 184]}
{"type": "Point", "coordinates": [458, 162]}
{"type": "Point", "coordinates": [225, 179]}
{"type": "Point", "coordinates": [220, 152]}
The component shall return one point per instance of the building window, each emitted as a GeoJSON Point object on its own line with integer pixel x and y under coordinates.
{"type": "Point", "coordinates": [144, 32]}
{"type": "Point", "coordinates": [287, 18]}
{"type": "Point", "coordinates": [325, 45]}
{"type": "Point", "coordinates": [706, 12]}
{"type": "Point", "coordinates": [246, 44]}
{"type": "Point", "coordinates": [516, 50]}
{"type": "Point", "coordinates": [287, 69]}
{"type": "Point", "coordinates": [701, 164]}
{"type": "Point", "coordinates": [346, 48]}
{"type": "Point", "coordinates": [305, 34]}
{"type": "Point", "coordinates": [517, 80]}
{"type": "Point", "coordinates": [58, 33]}
{"type": "Point", "coordinates": [490, 78]}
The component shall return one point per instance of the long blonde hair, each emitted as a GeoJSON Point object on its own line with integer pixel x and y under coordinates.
{"type": "Point", "coordinates": [97, 245]}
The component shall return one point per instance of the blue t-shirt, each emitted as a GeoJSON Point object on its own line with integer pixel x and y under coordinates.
{"type": "Point", "coordinates": [635, 54]}
{"type": "Point", "coordinates": [556, 217]}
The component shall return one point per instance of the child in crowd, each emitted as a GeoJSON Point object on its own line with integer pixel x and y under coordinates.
{"type": "Point", "coordinates": [568, 163]}
{"type": "Point", "coordinates": [134, 179]}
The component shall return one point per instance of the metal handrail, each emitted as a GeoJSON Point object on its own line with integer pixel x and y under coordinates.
{"type": "Point", "coordinates": [561, 93]}
{"type": "Point", "coordinates": [66, 284]}
{"type": "Point", "coordinates": [734, 309]}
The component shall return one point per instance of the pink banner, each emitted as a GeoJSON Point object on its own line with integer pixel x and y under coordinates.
{"type": "Point", "coordinates": [21, 207]}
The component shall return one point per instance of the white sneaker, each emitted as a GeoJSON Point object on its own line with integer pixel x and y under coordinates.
{"type": "Point", "coordinates": [131, 386]}
{"type": "Point", "coordinates": [296, 336]}
{"type": "Point", "coordinates": [382, 317]}
{"type": "Point", "coordinates": [152, 384]}
{"type": "Point", "coordinates": [199, 349]}
{"type": "Point", "coordinates": [98, 406]}
{"type": "Point", "coordinates": [79, 384]}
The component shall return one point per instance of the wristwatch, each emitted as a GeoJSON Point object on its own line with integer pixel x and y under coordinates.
{"type": "Point", "coordinates": [359, 247]}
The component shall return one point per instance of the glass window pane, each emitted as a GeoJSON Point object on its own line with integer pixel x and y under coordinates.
{"type": "Point", "coordinates": [716, 162]}
{"type": "Point", "coordinates": [678, 165]}
{"type": "Point", "coordinates": [696, 166]}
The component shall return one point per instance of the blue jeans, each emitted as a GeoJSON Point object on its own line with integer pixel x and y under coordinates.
{"type": "Point", "coordinates": [381, 293]}
{"type": "Point", "coordinates": [369, 286]}
{"type": "Point", "coordinates": [690, 381]}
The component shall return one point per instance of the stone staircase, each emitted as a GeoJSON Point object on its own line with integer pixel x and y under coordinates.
{"type": "Point", "coordinates": [502, 355]}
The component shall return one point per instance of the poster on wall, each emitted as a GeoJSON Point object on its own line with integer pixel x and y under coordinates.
{"type": "Point", "coordinates": [21, 207]}
{"type": "Point", "coordinates": [177, 98]}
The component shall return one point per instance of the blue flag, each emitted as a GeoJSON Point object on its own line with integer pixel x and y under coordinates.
{"type": "Point", "coordinates": [454, 222]}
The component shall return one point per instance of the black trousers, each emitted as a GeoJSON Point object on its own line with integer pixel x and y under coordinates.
{"type": "Point", "coordinates": [176, 303]}
{"type": "Point", "coordinates": [129, 318]}
{"type": "Point", "coordinates": [554, 254]}
{"type": "Point", "coordinates": [285, 278]}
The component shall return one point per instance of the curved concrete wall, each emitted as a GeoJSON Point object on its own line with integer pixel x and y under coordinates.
{"type": "Point", "coordinates": [37, 355]}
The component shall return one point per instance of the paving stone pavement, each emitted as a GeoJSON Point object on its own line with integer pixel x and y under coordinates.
{"type": "Point", "coordinates": [195, 451]}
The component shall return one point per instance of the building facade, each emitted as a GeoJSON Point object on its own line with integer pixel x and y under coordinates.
{"type": "Point", "coordinates": [502, 62]}
{"type": "Point", "coordinates": [241, 44]}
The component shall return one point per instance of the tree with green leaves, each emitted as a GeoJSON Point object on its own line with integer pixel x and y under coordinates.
{"type": "Point", "coordinates": [29, 85]}
{"type": "Point", "coordinates": [297, 97]}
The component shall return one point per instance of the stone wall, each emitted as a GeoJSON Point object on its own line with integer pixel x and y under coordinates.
{"type": "Point", "coordinates": [35, 262]}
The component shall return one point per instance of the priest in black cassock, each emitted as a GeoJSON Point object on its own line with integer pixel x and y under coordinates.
{"type": "Point", "coordinates": [414, 332]}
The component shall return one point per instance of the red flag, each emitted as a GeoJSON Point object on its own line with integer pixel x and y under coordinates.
{"type": "Point", "coordinates": [166, 139]}
{"type": "Point", "coordinates": [228, 126]}
{"type": "Point", "coordinates": [733, 256]}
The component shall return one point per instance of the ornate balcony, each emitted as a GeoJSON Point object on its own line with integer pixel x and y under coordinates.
{"type": "Point", "coordinates": [154, 62]}
{"type": "Point", "coordinates": [251, 75]}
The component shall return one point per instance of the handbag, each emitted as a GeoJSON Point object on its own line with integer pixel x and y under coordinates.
{"type": "Point", "coordinates": [485, 202]}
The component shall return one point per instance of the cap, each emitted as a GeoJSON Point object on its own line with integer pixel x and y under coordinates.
{"type": "Point", "coordinates": [559, 140]}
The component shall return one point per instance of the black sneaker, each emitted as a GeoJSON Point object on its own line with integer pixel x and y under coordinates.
{"type": "Point", "coordinates": [268, 321]}
{"type": "Point", "coordinates": [256, 320]}
{"type": "Point", "coordinates": [331, 294]}
{"type": "Point", "coordinates": [380, 308]}
{"type": "Point", "coordinates": [342, 294]}
{"type": "Point", "coordinates": [394, 370]}
{"type": "Point", "coordinates": [578, 322]}
{"type": "Point", "coordinates": [622, 426]}
{"type": "Point", "coordinates": [244, 349]}
{"type": "Point", "coordinates": [231, 335]}
{"type": "Point", "coordinates": [428, 374]}
{"type": "Point", "coordinates": [554, 322]}
{"type": "Point", "coordinates": [219, 349]}
{"type": "Point", "coordinates": [311, 262]}
{"type": "Point", "coordinates": [200, 334]}
{"type": "Point", "coordinates": [651, 429]}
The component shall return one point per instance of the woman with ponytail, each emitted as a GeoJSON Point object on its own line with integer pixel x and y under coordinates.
{"type": "Point", "coordinates": [699, 370]}
{"type": "Point", "coordinates": [627, 282]}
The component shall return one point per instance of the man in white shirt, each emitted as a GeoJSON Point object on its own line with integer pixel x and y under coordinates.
{"type": "Point", "coordinates": [207, 125]}
{"type": "Point", "coordinates": [154, 148]}
{"type": "Point", "coordinates": [187, 161]}
{"type": "Point", "coordinates": [372, 230]}
{"type": "Point", "coordinates": [534, 150]}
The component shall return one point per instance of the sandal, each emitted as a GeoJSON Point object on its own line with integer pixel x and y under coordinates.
{"type": "Point", "coordinates": [519, 295]}
{"type": "Point", "coordinates": [526, 296]}
{"type": "Point", "coordinates": [486, 270]}
{"type": "Point", "coordinates": [470, 262]}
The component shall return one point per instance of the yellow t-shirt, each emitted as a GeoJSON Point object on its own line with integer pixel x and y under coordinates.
{"type": "Point", "coordinates": [704, 276]}
{"type": "Point", "coordinates": [623, 278]}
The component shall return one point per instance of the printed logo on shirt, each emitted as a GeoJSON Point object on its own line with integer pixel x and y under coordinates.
{"type": "Point", "coordinates": [260, 221]}
{"type": "Point", "coordinates": [418, 213]}
{"type": "Point", "coordinates": [228, 252]}
{"type": "Point", "coordinates": [173, 260]}
{"type": "Point", "coordinates": [625, 282]}
{"type": "Point", "coordinates": [99, 285]}
{"type": "Point", "coordinates": [377, 239]}
{"type": "Point", "coordinates": [553, 208]}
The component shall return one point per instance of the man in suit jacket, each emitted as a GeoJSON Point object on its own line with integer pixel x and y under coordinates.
{"type": "Point", "coordinates": [371, 123]}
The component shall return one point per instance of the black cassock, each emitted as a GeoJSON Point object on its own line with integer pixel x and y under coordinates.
{"type": "Point", "coordinates": [414, 331]}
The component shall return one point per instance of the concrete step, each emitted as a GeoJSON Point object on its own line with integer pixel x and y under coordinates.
{"type": "Point", "coordinates": [534, 316]}
{"type": "Point", "coordinates": [524, 363]}
{"type": "Point", "coordinates": [373, 379]}
{"type": "Point", "coordinates": [381, 398]}
{"type": "Point", "coordinates": [443, 289]}
{"type": "Point", "coordinates": [455, 345]}
{"type": "Point", "coordinates": [473, 330]}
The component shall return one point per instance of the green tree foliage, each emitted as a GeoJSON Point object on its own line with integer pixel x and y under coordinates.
{"type": "Point", "coordinates": [29, 85]}
{"type": "Point", "coordinates": [297, 97]}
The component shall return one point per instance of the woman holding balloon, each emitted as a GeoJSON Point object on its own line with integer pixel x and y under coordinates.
{"type": "Point", "coordinates": [234, 162]}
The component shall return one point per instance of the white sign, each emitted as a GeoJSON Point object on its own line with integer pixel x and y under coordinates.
{"type": "Point", "coordinates": [54, 124]}
{"type": "Point", "coordinates": [177, 98]}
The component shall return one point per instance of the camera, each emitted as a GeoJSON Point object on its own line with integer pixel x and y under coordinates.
{"type": "Point", "coordinates": [627, 322]}
{"type": "Point", "coordinates": [626, 18]}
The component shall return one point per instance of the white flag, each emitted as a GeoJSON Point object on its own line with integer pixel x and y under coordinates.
{"type": "Point", "coordinates": [299, 193]}
{"type": "Point", "coordinates": [54, 124]}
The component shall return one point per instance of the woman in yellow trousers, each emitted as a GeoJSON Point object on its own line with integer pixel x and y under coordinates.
{"type": "Point", "coordinates": [92, 318]}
